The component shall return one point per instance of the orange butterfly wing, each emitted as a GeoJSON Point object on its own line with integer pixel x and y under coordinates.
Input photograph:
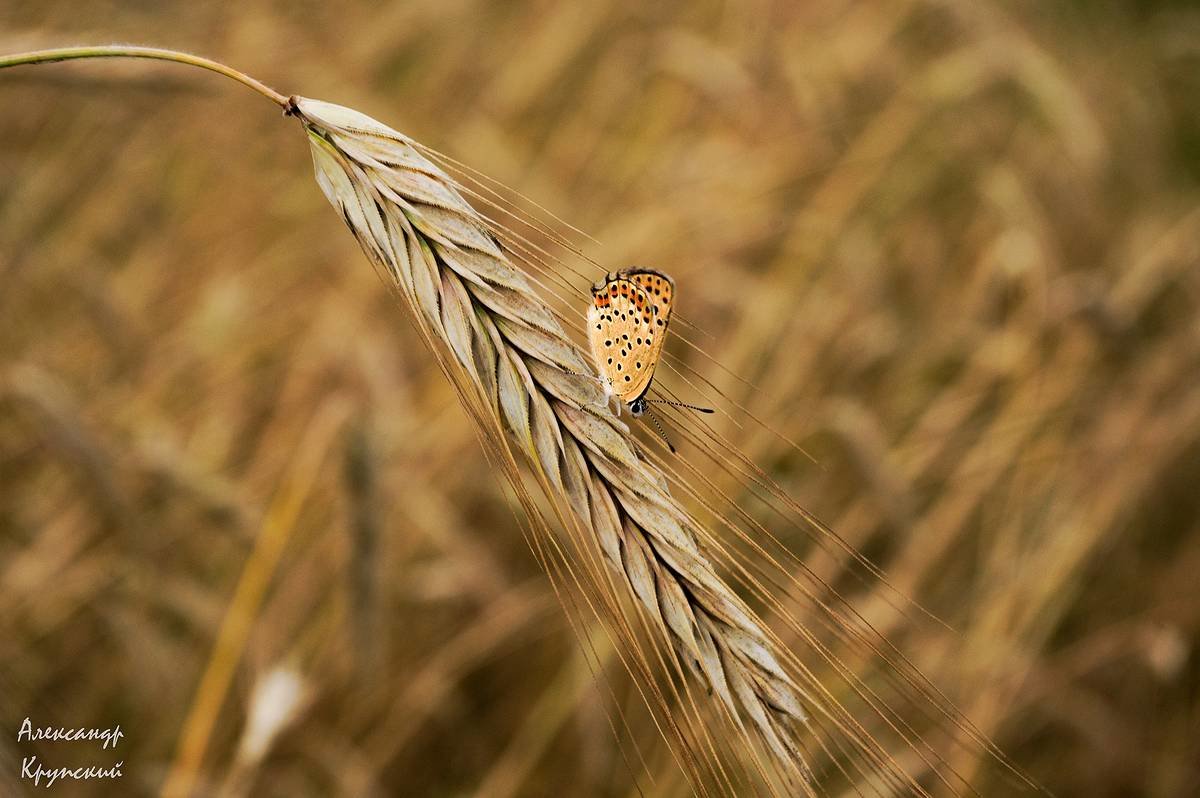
{"type": "Point", "coordinates": [627, 324]}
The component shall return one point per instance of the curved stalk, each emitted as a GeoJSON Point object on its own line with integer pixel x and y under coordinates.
{"type": "Point", "coordinates": [126, 51]}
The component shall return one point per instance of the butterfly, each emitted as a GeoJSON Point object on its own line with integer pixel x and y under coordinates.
{"type": "Point", "coordinates": [627, 326]}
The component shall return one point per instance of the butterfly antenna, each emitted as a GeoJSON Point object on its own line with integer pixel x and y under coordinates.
{"type": "Point", "coordinates": [697, 408]}
{"type": "Point", "coordinates": [661, 431]}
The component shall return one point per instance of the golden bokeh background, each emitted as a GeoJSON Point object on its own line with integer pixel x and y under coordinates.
{"type": "Point", "coordinates": [954, 245]}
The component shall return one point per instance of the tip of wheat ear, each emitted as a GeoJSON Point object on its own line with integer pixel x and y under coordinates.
{"type": "Point", "coordinates": [505, 343]}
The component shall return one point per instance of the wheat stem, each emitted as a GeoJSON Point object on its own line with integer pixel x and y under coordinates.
{"type": "Point", "coordinates": [127, 51]}
{"type": "Point", "coordinates": [238, 622]}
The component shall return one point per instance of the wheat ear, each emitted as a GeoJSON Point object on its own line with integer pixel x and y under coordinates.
{"type": "Point", "coordinates": [510, 350]}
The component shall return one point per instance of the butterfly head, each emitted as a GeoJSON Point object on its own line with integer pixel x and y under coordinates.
{"type": "Point", "coordinates": [638, 407]}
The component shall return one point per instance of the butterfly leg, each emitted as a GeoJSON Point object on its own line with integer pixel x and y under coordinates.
{"type": "Point", "coordinates": [597, 405]}
{"type": "Point", "coordinates": [604, 404]}
{"type": "Point", "coordinates": [611, 403]}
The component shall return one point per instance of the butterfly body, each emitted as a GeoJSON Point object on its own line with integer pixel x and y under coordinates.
{"type": "Point", "coordinates": [627, 325]}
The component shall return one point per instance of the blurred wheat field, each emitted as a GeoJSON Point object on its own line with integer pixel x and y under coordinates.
{"type": "Point", "coordinates": [953, 245]}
